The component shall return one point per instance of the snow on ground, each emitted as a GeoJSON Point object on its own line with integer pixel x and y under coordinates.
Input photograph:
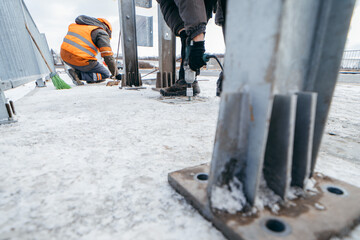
{"type": "Point", "coordinates": [92, 162]}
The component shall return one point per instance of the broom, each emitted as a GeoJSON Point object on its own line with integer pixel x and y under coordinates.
{"type": "Point", "coordinates": [56, 80]}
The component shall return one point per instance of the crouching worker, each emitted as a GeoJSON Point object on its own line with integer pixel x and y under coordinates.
{"type": "Point", "coordinates": [85, 39]}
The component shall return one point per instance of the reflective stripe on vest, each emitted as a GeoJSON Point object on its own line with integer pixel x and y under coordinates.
{"type": "Point", "coordinates": [78, 42]}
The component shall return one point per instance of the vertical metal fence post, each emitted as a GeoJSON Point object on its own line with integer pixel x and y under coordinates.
{"type": "Point", "coordinates": [166, 76]}
{"type": "Point", "coordinates": [129, 43]}
{"type": "Point", "coordinates": [281, 66]}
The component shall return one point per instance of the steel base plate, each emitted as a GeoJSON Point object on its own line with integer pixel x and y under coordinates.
{"type": "Point", "coordinates": [333, 211]}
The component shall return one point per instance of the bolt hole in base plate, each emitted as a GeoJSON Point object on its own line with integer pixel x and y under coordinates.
{"type": "Point", "coordinates": [335, 190]}
{"type": "Point", "coordinates": [301, 221]}
{"type": "Point", "coordinates": [202, 177]}
{"type": "Point", "coordinates": [275, 226]}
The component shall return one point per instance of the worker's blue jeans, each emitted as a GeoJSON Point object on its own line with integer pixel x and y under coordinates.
{"type": "Point", "coordinates": [96, 73]}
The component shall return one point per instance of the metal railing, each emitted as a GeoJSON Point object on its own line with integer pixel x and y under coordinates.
{"type": "Point", "coordinates": [20, 61]}
{"type": "Point", "coordinates": [351, 60]}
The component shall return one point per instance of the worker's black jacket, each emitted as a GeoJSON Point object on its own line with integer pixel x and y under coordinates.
{"type": "Point", "coordinates": [192, 15]}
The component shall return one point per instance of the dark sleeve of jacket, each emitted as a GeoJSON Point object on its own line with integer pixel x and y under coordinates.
{"type": "Point", "coordinates": [171, 15]}
{"type": "Point", "coordinates": [189, 14]}
{"type": "Point", "coordinates": [102, 40]}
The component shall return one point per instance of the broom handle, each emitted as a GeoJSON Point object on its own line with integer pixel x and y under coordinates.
{"type": "Point", "coordinates": [37, 46]}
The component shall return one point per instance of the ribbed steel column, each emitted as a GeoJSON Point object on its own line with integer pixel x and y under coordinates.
{"type": "Point", "coordinates": [167, 52]}
{"type": "Point", "coordinates": [129, 43]}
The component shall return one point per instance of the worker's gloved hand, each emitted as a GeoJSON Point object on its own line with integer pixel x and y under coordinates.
{"type": "Point", "coordinates": [118, 77]}
{"type": "Point", "coordinates": [197, 51]}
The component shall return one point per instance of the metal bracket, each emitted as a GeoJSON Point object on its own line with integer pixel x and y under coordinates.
{"type": "Point", "coordinates": [143, 3]}
{"type": "Point", "coordinates": [5, 85]}
{"type": "Point", "coordinates": [40, 82]}
{"type": "Point", "coordinates": [7, 110]}
{"type": "Point", "coordinates": [334, 210]}
{"type": "Point", "coordinates": [144, 31]}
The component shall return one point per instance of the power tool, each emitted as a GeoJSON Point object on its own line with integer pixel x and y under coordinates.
{"type": "Point", "coordinates": [190, 75]}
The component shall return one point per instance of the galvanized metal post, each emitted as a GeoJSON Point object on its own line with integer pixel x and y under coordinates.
{"type": "Point", "coordinates": [167, 51]}
{"type": "Point", "coordinates": [284, 68]}
{"type": "Point", "coordinates": [281, 67]}
{"type": "Point", "coordinates": [129, 43]}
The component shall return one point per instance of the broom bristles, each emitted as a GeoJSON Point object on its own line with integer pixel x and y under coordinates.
{"type": "Point", "coordinates": [58, 82]}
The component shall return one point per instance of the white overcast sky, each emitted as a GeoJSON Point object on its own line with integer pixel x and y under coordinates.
{"type": "Point", "coordinates": [52, 17]}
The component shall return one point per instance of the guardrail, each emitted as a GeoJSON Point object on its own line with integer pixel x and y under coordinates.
{"type": "Point", "coordinates": [350, 61]}
{"type": "Point", "coordinates": [20, 60]}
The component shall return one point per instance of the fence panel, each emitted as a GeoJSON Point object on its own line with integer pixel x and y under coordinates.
{"type": "Point", "coordinates": [351, 60]}
{"type": "Point", "coordinates": [20, 61]}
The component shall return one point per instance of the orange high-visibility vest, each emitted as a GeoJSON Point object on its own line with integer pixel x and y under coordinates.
{"type": "Point", "coordinates": [78, 48]}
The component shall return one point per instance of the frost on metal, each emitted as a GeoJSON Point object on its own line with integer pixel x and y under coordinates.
{"type": "Point", "coordinates": [231, 198]}
{"type": "Point", "coordinates": [267, 198]}
{"type": "Point", "coordinates": [228, 198]}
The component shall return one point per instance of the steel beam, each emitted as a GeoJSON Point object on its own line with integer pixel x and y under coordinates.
{"type": "Point", "coordinates": [167, 51]}
{"type": "Point", "coordinates": [129, 43]}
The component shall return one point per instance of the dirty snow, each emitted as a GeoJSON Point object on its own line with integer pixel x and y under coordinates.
{"type": "Point", "coordinates": [92, 162]}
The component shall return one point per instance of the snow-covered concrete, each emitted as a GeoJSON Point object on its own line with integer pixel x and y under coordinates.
{"type": "Point", "coordinates": [92, 162]}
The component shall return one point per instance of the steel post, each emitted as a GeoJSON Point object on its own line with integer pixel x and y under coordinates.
{"type": "Point", "coordinates": [166, 76]}
{"type": "Point", "coordinates": [281, 67]}
{"type": "Point", "coordinates": [282, 51]}
{"type": "Point", "coordinates": [129, 43]}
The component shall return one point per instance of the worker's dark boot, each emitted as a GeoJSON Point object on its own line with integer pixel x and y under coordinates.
{"type": "Point", "coordinates": [179, 89]}
{"type": "Point", "coordinates": [74, 77]}
{"type": "Point", "coordinates": [219, 84]}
